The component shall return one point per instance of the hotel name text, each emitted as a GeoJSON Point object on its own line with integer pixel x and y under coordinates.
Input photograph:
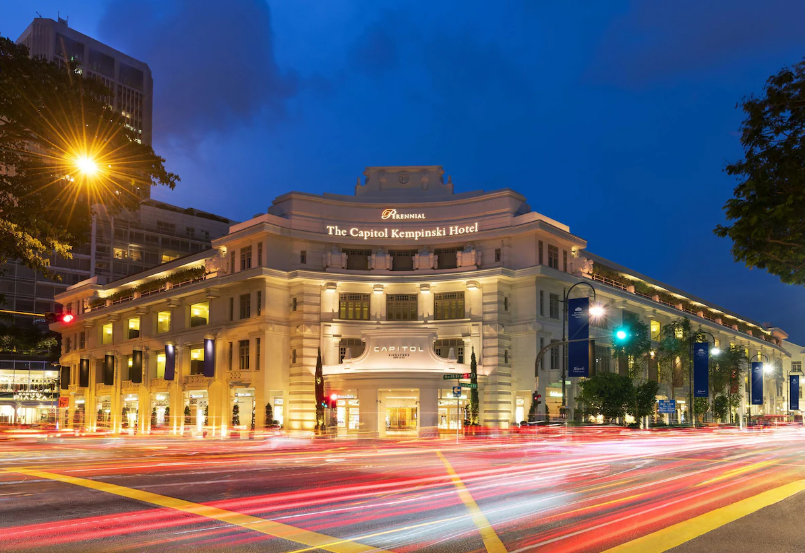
{"type": "Point", "coordinates": [435, 232]}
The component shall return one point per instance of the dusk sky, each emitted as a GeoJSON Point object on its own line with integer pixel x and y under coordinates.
{"type": "Point", "coordinates": [616, 118]}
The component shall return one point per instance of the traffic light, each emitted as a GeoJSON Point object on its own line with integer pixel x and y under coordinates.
{"type": "Point", "coordinates": [59, 317]}
{"type": "Point", "coordinates": [622, 335]}
{"type": "Point", "coordinates": [333, 402]}
{"type": "Point", "coordinates": [536, 397]}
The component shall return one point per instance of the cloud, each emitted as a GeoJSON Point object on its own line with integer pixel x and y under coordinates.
{"type": "Point", "coordinates": [655, 41]}
{"type": "Point", "coordinates": [213, 63]}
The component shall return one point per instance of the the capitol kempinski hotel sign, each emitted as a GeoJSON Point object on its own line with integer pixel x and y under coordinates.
{"type": "Point", "coordinates": [392, 291]}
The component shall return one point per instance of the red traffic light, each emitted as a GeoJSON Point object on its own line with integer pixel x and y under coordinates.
{"type": "Point", "coordinates": [67, 318]}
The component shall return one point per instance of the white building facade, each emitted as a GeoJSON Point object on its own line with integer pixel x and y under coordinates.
{"type": "Point", "coordinates": [394, 287]}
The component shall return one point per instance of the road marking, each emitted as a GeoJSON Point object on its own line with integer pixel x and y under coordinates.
{"type": "Point", "coordinates": [268, 527]}
{"type": "Point", "coordinates": [683, 532]}
{"type": "Point", "coordinates": [488, 535]}
{"type": "Point", "coordinates": [735, 472]}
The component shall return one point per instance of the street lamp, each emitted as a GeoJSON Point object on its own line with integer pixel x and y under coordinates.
{"type": "Point", "coordinates": [595, 311]}
{"type": "Point", "coordinates": [86, 165]}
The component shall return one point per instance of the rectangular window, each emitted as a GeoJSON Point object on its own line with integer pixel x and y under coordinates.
{"type": "Point", "coordinates": [106, 334]}
{"type": "Point", "coordinates": [541, 303]}
{"type": "Point", "coordinates": [231, 355]}
{"type": "Point", "coordinates": [134, 328]}
{"type": "Point", "coordinates": [245, 306]}
{"type": "Point", "coordinates": [541, 345]}
{"type": "Point", "coordinates": [402, 260]}
{"type": "Point", "coordinates": [354, 307]}
{"type": "Point", "coordinates": [796, 366]}
{"type": "Point", "coordinates": [498, 256]}
{"type": "Point", "coordinates": [505, 303]}
{"type": "Point", "coordinates": [82, 340]}
{"type": "Point", "coordinates": [259, 302]}
{"type": "Point", "coordinates": [442, 348]}
{"type": "Point", "coordinates": [564, 260]}
{"type": "Point", "coordinates": [303, 257]}
{"type": "Point", "coordinates": [354, 345]}
{"type": "Point", "coordinates": [163, 322]}
{"type": "Point", "coordinates": [66, 344]}
{"type": "Point", "coordinates": [243, 355]}
{"type": "Point", "coordinates": [197, 361]}
{"type": "Point", "coordinates": [655, 330]}
{"type": "Point", "coordinates": [293, 356]}
{"type": "Point", "coordinates": [447, 258]}
{"type": "Point", "coordinates": [293, 304]}
{"type": "Point", "coordinates": [401, 307]}
{"type": "Point", "coordinates": [257, 354]}
{"type": "Point", "coordinates": [245, 258]}
{"type": "Point", "coordinates": [259, 254]}
{"type": "Point", "coordinates": [553, 306]}
{"type": "Point", "coordinates": [160, 365]}
{"type": "Point", "coordinates": [200, 314]}
{"type": "Point", "coordinates": [602, 359]}
{"type": "Point", "coordinates": [232, 261]}
{"type": "Point", "coordinates": [231, 309]}
{"type": "Point", "coordinates": [553, 257]}
{"type": "Point", "coordinates": [555, 356]}
{"type": "Point", "coordinates": [540, 252]}
{"type": "Point", "coordinates": [358, 260]}
{"type": "Point", "coordinates": [448, 305]}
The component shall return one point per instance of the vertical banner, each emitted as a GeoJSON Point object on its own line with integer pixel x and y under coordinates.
{"type": "Point", "coordinates": [209, 357]}
{"type": "Point", "coordinates": [793, 392]}
{"type": "Point", "coordinates": [578, 328]}
{"type": "Point", "coordinates": [83, 374]}
{"type": "Point", "coordinates": [109, 370]}
{"type": "Point", "coordinates": [757, 383]}
{"type": "Point", "coordinates": [170, 362]}
{"type": "Point", "coordinates": [701, 369]}
{"type": "Point", "coordinates": [136, 372]}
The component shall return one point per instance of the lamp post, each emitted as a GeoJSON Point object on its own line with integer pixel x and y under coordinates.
{"type": "Point", "coordinates": [766, 368]}
{"type": "Point", "coordinates": [715, 351]}
{"type": "Point", "coordinates": [564, 338]}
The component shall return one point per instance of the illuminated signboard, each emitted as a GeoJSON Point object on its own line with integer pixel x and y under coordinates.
{"type": "Point", "coordinates": [396, 233]}
{"type": "Point", "coordinates": [392, 214]}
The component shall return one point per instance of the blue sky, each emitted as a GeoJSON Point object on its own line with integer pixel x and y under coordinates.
{"type": "Point", "coordinates": [616, 118]}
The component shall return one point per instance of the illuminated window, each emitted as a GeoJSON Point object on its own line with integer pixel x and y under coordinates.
{"type": "Point", "coordinates": [655, 330]}
{"type": "Point", "coordinates": [448, 305]}
{"type": "Point", "coordinates": [200, 313]}
{"type": "Point", "coordinates": [197, 361]}
{"type": "Point", "coordinates": [134, 328]}
{"type": "Point", "coordinates": [354, 306]}
{"type": "Point", "coordinates": [160, 365]}
{"type": "Point", "coordinates": [166, 257]}
{"type": "Point", "coordinates": [106, 334]}
{"type": "Point", "coordinates": [163, 321]}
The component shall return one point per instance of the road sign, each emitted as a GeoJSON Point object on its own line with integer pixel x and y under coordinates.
{"type": "Point", "coordinates": [456, 391]}
{"type": "Point", "coordinates": [459, 376]}
{"type": "Point", "coordinates": [64, 402]}
{"type": "Point", "coordinates": [667, 406]}
{"type": "Point", "coordinates": [468, 385]}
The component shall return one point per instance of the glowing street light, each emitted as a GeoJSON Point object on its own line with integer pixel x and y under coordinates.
{"type": "Point", "coordinates": [715, 351]}
{"type": "Point", "coordinates": [86, 165]}
{"type": "Point", "coordinates": [596, 311]}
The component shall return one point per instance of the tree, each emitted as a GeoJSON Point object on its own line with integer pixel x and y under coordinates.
{"type": "Point", "coordinates": [606, 394]}
{"type": "Point", "coordinates": [236, 415]}
{"type": "Point", "coordinates": [168, 416]}
{"type": "Point", "coordinates": [767, 228]}
{"type": "Point", "coordinates": [645, 398]}
{"type": "Point", "coordinates": [673, 354]}
{"type": "Point", "coordinates": [269, 415]}
{"type": "Point", "coordinates": [634, 352]}
{"type": "Point", "coordinates": [474, 400]}
{"type": "Point", "coordinates": [701, 406]}
{"type": "Point", "coordinates": [65, 150]}
{"type": "Point", "coordinates": [721, 406]}
{"type": "Point", "coordinates": [206, 415]}
{"type": "Point", "coordinates": [319, 384]}
{"type": "Point", "coordinates": [731, 366]}
{"type": "Point", "coordinates": [187, 414]}
{"type": "Point", "coordinates": [153, 417]}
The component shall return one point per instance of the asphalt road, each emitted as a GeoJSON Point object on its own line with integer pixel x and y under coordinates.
{"type": "Point", "coordinates": [586, 491]}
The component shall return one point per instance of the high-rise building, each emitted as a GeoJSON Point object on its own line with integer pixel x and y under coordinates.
{"type": "Point", "coordinates": [128, 79]}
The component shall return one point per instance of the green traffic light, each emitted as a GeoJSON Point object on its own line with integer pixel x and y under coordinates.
{"type": "Point", "coordinates": [621, 335]}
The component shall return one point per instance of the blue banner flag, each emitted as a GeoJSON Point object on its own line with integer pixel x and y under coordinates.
{"type": "Point", "coordinates": [578, 328]}
{"type": "Point", "coordinates": [701, 369]}
{"type": "Point", "coordinates": [757, 383]}
{"type": "Point", "coordinates": [793, 392]}
{"type": "Point", "coordinates": [170, 362]}
{"type": "Point", "coordinates": [209, 357]}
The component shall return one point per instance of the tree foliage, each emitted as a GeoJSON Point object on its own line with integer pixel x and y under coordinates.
{"type": "Point", "coordinates": [645, 398]}
{"type": "Point", "coordinates": [635, 350]}
{"type": "Point", "coordinates": [51, 119]}
{"type": "Point", "coordinates": [673, 352]}
{"type": "Point", "coordinates": [765, 215]}
{"type": "Point", "coordinates": [606, 394]}
{"type": "Point", "coordinates": [475, 402]}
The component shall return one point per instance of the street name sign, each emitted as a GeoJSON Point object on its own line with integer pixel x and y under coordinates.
{"type": "Point", "coordinates": [459, 376]}
{"type": "Point", "coordinates": [468, 385]}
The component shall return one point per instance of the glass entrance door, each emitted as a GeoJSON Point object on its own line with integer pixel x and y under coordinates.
{"type": "Point", "coordinates": [401, 418]}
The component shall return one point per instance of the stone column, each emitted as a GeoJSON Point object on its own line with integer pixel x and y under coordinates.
{"type": "Point", "coordinates": [368, 410]}
{"type": "Point", "coordinates": [428, 413]}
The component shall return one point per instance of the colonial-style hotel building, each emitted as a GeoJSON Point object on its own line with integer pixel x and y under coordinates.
{"type": "Point", "coordinates": [396, 286]}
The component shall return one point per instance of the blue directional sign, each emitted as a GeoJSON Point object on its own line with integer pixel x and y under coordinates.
{"type": "Point", "coordinates": [666, 406]}
{"type": "Point", "coordinates": [456, 391]}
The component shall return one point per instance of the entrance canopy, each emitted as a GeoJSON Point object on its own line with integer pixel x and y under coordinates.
{"type": "Point", "coordinates": [398, 351]}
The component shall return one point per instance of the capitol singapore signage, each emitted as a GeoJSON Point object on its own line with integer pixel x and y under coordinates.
{"type": "Point", "coordinates": [396, 233]}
